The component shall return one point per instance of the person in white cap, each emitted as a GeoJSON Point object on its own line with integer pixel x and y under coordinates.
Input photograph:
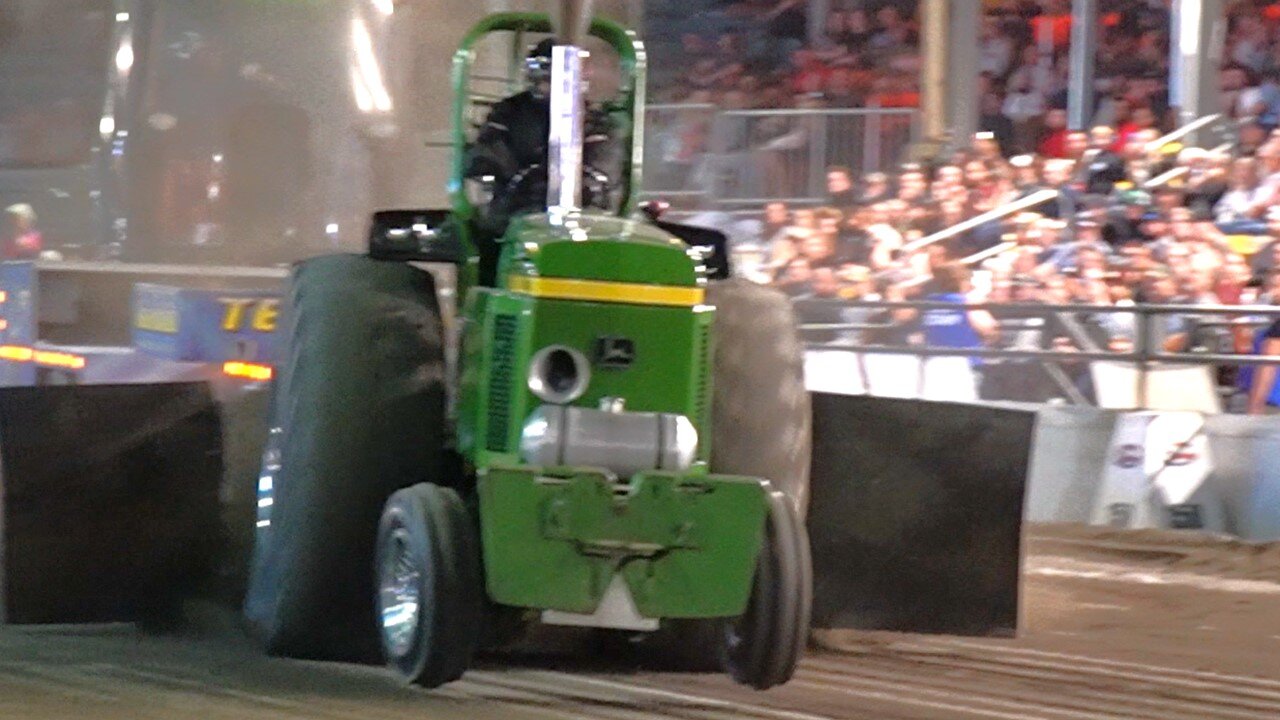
{"type": "Point", "coordinates": [22, 241]}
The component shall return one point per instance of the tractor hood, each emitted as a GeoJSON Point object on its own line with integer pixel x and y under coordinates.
{"type": "Point", "coordinates": [601, 247]}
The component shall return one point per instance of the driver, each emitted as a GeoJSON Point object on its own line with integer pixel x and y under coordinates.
{"type": "Point", "coordinates": [510, 151]}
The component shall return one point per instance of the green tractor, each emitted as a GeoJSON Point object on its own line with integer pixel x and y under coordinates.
{"type": "Point", "coordinates": [613, 435]}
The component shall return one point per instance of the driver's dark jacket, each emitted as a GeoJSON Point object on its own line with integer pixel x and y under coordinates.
{"type": "Point", "coordinates": [513, 140]}
{"type": "Point", "coordinates": [515, 136]}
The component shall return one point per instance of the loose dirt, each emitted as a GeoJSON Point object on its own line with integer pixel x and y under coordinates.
{"type": "Point", "coordinates": [1167, 626]}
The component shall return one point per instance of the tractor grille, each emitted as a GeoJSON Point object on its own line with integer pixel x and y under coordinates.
{"type": "Point", "coordinates": [702, 386]}
{"type": "Point", "coordinates": [501, 372]}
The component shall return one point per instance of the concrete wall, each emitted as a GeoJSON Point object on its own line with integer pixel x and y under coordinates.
{"type": "Point", "coordinates": [1072, 448]}
{"type": "Point", "coordinates": [1073, 451]}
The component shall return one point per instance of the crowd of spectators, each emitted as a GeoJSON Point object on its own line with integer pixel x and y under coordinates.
{"type": "Point", "coordinates": [1207, 231]}
{"type": "Point", "coordinates": [1135, 219]}
{"type": "Point", "coordinates": [760, 54]}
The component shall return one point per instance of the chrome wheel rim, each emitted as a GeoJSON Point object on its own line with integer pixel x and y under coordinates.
{"type": "Point", "coordinates": [399, 595]}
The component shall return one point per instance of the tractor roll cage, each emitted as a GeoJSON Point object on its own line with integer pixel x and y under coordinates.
{"type": "Point", "coordinates": [627, 108]}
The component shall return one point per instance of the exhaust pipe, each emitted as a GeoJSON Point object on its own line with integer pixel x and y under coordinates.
{"type": "Point", "coordinates": [564, 176]}
{"type": "Point", "coordinates": [572, 20]}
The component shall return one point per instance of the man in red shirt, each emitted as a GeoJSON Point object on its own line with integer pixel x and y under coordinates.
{"type": "Point", "coordinates": [22, 241]}
{"type": "Point", "coordinates": [1054, 143]}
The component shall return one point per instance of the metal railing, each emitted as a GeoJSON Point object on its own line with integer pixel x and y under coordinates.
{"type": "Point", "coordinates": [746, 158]}
{"type": "Point", "coordinates": [1210, 333]}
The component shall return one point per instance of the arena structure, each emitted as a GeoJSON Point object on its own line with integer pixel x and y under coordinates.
{"type": "Point", "coordinates": [1065, 515]}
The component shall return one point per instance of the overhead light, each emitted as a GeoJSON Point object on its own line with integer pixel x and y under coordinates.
{"type": "Point", "coordinates": [368, 67]}
{"type": "Point", "coordinates": [364, 100]}
{"type": "Point", "coordinates": [124, 56]}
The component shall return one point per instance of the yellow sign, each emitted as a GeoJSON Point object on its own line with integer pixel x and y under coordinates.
{"type": "Point", "coordinates": [260, 315]}
{"type": "Point", "coordinates": [157, 320]}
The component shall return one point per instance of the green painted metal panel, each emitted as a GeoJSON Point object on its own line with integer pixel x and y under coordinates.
{"type": "Point", "coordinates": [685, 546]}
{"type": "Point", "coordinates": [660, 379]}
{"type": "Point", "coordinates": [598, 247]}
{"type": "Point", "coordinates": [669, 373]}
{"type": "Point", "coordinates": [495, 389]}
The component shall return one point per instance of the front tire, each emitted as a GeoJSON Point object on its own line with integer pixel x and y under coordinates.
{"type": "Point", "coordinates": [761, 648]}
{"type": "Point", "coordinates": [760, 427]}
{"type": "Point", "coordinates": [430, 603]}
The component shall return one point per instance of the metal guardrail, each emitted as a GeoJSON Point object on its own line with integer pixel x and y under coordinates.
{"type": "Point", "coordinates": [1145, 354]}
{"type": "Point", "coordinates": [741, 158]}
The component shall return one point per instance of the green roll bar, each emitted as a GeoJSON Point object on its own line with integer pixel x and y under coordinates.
{"type": "Point", "coordinates": [627, 107]}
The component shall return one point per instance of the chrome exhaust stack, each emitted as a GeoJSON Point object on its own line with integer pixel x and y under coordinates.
{"type": "Point", "coordinates": [564, 174]}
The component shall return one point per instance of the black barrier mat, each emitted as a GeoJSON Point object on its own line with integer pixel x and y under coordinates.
{"type": "Point", "coordinates": [916, 514]}
{"type": "Point", "coordinates": [108, 500]}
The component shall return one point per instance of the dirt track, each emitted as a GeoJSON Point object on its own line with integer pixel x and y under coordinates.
{"type": "Point", "coordinates": [1116, 626]}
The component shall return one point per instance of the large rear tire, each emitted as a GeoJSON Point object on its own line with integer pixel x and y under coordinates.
{"type": "Point", "coordinates": [761, 420]}
{"type": "Point", "coordinates": [431, 599]}
{"type": "Point", "coordinates": [358, 412]}
{"type": "Point", "coordinates": [760, 427]}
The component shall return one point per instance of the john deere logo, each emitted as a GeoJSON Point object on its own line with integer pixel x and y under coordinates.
{"type": "Point", "coordinates": [615, 352]}
{"type": "Point", "coordinates": [1129, 456]}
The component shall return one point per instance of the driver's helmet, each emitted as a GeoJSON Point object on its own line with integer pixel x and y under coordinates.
{"type": "Point", "coordinates": [537, 68]}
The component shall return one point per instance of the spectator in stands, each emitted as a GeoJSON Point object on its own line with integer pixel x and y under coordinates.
{"type": "Point", "coordinates": [875, 189]}
{"type": "Point", "coordinates": [1169, 332]}
{"type": "Point", "coordinates": [1264, 394]}
{"type": "Point", "coordinates": [1270, 290]}
{"type": "Point", "coordinates": [21, 240]}
{"type": "Point", "coordinates": [1206, 179]}
{"type": "Point", "coordinates": [1100, 167]}
{"type": "Point", "coordinates": [1235, 210]}
{"type": "Point", "coordinates": [840, 191]}
{"type": "Point", "coordinates": [1252, 137]}
{"type": "Point", "coordinates": [1077, 144]}
{"type": "Point", "coordinates": [1124, 221]}
{"type": "Point", "coordinates": [996, 49]}
{"type": "Point", "coordinates": [995, 122]}
{"type": "Point", "coordinates": [796, 277]}
{"type": "Point", "coordinates": [1024, 105]}
{"type": "Point", "coordinates": [960, 328]}
{"type": "Point", "coordinates": [776, 221]}
{"type": "Point", "coordinates": [1267, 109]}
{"type": "Point", "coordinates": [912, 186]}
{"type": "Point", "coordinates": [1053, 143]}
{"type": "Point", "coordinates": [1267, 258]}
